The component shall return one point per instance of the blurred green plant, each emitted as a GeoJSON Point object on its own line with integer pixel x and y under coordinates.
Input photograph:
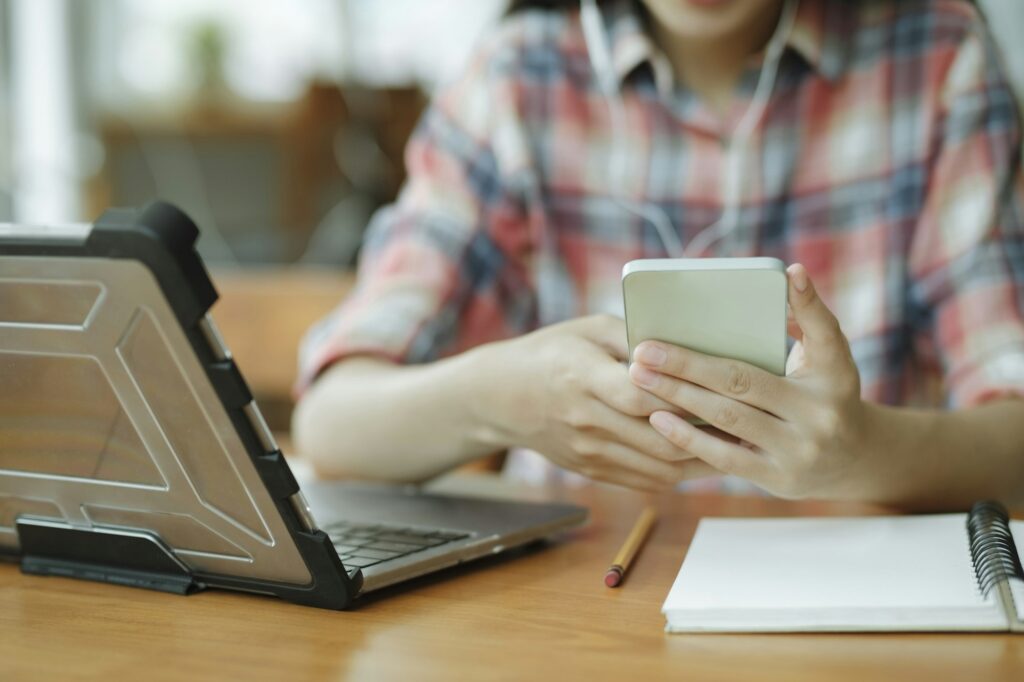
{"type": "Point", "coordinates": [207, 46]}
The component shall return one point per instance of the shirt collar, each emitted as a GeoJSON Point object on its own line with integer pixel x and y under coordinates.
{"type": "Point", "coordinates": [821, 35]}
{"type": "Point", "coordinates": [632, 46]}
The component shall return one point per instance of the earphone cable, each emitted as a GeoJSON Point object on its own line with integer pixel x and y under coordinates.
{"type": "Point", "coordinates": [599, 54]}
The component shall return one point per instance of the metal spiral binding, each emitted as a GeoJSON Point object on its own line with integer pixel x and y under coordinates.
{"type": "Point", "coordinates": [993, 551]}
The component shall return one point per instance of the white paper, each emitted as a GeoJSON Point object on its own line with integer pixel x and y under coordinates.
{"type": "Point", "coordinates": [909, 572]}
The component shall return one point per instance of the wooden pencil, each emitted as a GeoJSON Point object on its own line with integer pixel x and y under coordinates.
{"type": "Point", "coordinates": [633, 543]}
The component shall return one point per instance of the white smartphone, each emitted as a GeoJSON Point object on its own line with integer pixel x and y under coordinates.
{"type": "Point", "coordinates": [728, 307]}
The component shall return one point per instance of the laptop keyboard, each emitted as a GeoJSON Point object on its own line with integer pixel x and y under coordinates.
{"type": "Point", "coordinates": [364, 545]}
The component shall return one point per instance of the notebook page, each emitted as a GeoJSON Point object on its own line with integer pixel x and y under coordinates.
{"type": "Point", "coordinates": [835, 564]}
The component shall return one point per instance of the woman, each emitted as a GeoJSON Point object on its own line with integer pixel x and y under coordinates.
{"type": "Point", "coordinates": [882, 160]}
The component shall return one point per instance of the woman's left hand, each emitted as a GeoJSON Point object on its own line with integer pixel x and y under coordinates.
{"type": "Point", "coordinates": [798, 435]}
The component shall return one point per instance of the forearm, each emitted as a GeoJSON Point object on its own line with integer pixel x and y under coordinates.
{"type": "Point", "coordinates": [367, 418]}
{"type": "Point", "coordinates": [933, 460]}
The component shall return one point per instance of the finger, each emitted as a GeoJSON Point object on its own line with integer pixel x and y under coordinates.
{"type": "Point", "coordinates": [822, 335]}
{"type": "Point", "coordinates": [792, 328]}
{"type": "Point", "coordinates": [621, 464]}
{"type": "Point", "coordinates": [688, 471]}
{"type": "Point", "coordinates": [636, 433]}
{"type": "Point", "coordinates": [738, 380]}
{"type": "Point", "coordinates": [607, 331]}
{"type": "Point", "coordinates": [610, 461]}
{"type": "Point", "coordinates": [729, 458]}
{"type": "Point", "coordinates": [629, 479]}
{"type": "Point", "coordinates": [695, 468]}
{"type": "Point", "coordinates": [611, 385]}
{"type": "Point", "coordinates": [747, 423]}
{"type": "Point", "coordinates": [717, 433]}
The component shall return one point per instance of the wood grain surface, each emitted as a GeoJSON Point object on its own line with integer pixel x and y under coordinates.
{"type": "Point", "coordinates": [542, 613]}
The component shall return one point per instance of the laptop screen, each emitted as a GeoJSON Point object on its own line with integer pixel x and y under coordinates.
{"type": "Point", "coordinates": [107, 418]}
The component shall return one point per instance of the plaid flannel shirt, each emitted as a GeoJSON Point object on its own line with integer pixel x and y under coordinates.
{"type": "Point", "coordinates": [887, 161]}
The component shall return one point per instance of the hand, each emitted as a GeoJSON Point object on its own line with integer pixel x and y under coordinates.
{"type": "Point", "coordinates": [798, 435]}
{"type": "Point", "coordinates": [565, 392]}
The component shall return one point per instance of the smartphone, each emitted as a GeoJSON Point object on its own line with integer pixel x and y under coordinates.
{"type": "Point", "coordinates": [728, 307]}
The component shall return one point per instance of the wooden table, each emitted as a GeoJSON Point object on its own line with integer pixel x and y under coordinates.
{"type": "Point", "coordinates": [263, 313]}
{"type": "Point", "coordinates": [543, 614]}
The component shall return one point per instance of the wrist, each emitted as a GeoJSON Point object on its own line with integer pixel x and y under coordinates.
{"type": "Point", "coordinates": [486, 392]}
{"type": "Point", "coordinates": [869, 454]}
{"type": "Point", "coordinates": [889, 436]}
{"type": "Point", "coordinates": [859, 452]}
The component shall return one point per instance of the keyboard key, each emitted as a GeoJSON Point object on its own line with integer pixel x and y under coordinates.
{"type": "Point", "coordinates": [362, 545]}
{"type": "Point", "coordinates": [433, 542]}
{"type": "Point", "coordinates": [415, 532]}
{"type": "Point", "coordinates": [407, 539]}
{"type": "Point", "coordinates": [345, 549]}
{"type": "Point", "coordinates": [394, 547]}
{"type": "Point", "coordinates": [350, 540]}
{"type": "Point", "coordinates": [368, 553]}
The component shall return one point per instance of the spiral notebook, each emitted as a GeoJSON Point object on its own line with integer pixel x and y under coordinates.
{"type": "Point", "coordinates": [943, 572]}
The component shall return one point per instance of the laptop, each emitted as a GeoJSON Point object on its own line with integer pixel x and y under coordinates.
{"type": "Point", "coordinates": [132, 452]}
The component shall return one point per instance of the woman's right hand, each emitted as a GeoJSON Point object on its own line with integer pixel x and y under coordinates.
{"type": "Point", "coordinates": [565, 392]}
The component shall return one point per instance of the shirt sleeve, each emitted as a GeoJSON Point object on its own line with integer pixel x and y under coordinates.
{"type": "Point", "coordinates": [967, 252]}
{"type": "Point", "coordinates": [447, 266]}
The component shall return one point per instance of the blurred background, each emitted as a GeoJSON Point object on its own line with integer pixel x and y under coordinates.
{"type": "Point", "coordinates": [278, 125]}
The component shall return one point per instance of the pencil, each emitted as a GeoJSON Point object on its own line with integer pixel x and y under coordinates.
{"type": "Point", "coordinates": [633, 543]}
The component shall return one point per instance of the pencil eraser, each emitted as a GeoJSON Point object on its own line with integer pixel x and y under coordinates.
{"type": "Point", "coordinates": [613, 577]}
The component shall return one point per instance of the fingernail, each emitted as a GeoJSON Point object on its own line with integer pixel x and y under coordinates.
{"type": "Point", "coordinates": [651, 355]}
{"type": "Point", "coordinates": [643, 376]}
{"type": "Point", "coordinates": [663, 423]}
{"type": "Point", "coordinates": [798, 275]}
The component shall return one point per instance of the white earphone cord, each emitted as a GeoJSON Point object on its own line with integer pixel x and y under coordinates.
{"type": "Point", "coordinates": [599, 54]}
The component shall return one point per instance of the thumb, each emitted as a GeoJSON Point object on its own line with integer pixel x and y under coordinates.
{"type": "Point", "coordinates": [821, 335]}
{"type": "Point", "coordinates": [792, 328]}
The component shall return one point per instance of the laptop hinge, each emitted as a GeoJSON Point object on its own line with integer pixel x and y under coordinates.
{"type": "Point", "coordinates": [119, 556]}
